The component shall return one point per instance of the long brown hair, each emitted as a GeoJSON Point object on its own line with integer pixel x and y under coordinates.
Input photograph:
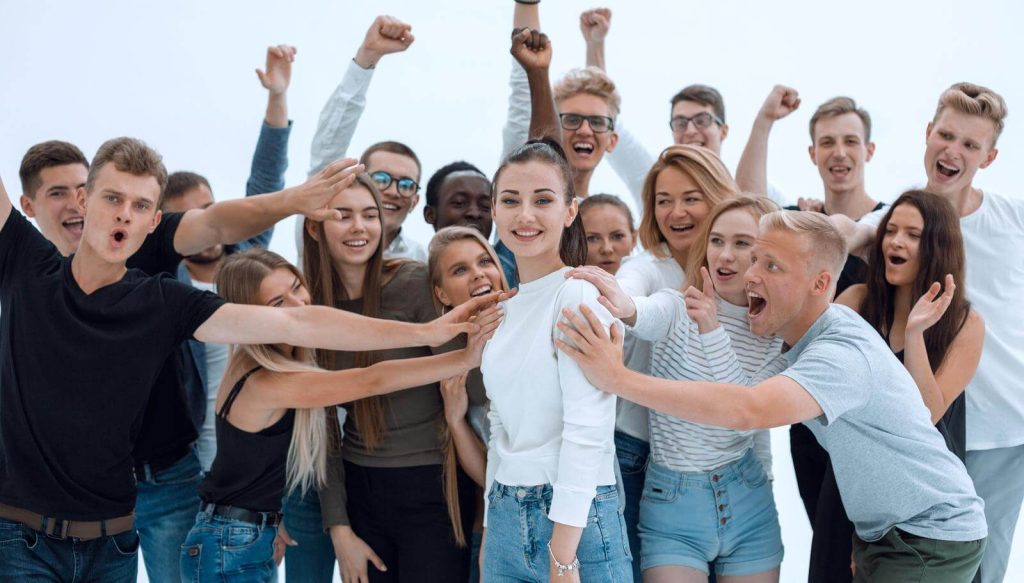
{"type": "Point", "coordinates": [441, 241]}
{"type": "Point", "coordinates": [703, 166]}
{"type": "Point", "coordinates": [697, 256]}
{"type": "Point", "coordinates": [326, 289]}
{"type": "Point", "coordinates": [941, 251]}
{"type": "Point", "coordinates": [238, 281]}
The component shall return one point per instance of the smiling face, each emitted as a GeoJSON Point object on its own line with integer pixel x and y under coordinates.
{"type": "Point", "coordinates": [530, 210]}
{"type": "Point", "coordinates": [120, 211]}
{"type": "Point", "coordinates": [583, 147]}
{"type": "Point", "coordinates": [395, 206]}
{"type": "Point", "coordinates": [679, 208]}
{"type": "Point", "coordinates": [463, 199]}
{"type": "Point", "coordinates": [710, 137]}
{"type": "Point", "coordinates": [840, 151]}
{"type": "Point", "coordinates": [957, 146]}
{"type": "Point", "coordinates": [353, 239]}
{"type": "Point", "coordinates": [610, 237]}
{"type": "Point", "coordinates": [281, 288]}
{"type": "Point", "coordinates": [54, 205]}
{"type": "Point", "coordinates": [901, 243]}
{"type": "Point", "coordinates": [466, 271]}
{"type": "Point", "coordinates": [730, 244]}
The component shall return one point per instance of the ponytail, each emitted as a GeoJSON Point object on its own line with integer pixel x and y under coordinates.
{"type": "Point", "coordinates": [572, 247]}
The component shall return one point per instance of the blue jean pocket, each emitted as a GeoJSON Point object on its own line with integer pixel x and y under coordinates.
{"type": "Point", "coordinates": [126, 543]}
{"type": "Point", "coordinates": [13, 533]}
{"type": "Point", "coordinates": [659, 491]}
{"type": "Point", "coordinates": [604, 538]}
{"type": "Point", "coordinates": [237, 537]}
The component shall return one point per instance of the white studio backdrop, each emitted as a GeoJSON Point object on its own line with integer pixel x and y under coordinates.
{"type": "Point", "coordinates": [180, 76]}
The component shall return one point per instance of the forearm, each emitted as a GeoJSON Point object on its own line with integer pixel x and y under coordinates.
{"type": "Point", "coordinates": [277, 110]}
{"type": "Point", "coordinates": [915, 359]}
{"type": "Point", "coordinates": [723, 405]}
{"type": "Point", "coordinates": [752, 171]}
{"type": "Point", "coordinates": [5, 205]}
{"type": "Point", "coordinates": [331, 329]}
{"type": "Point", "coordinates": [595, 54]}
{"type": "Point", "coordinates": [526, 16]}
{"type": "Point", "coordinates": [230, 221]}
{"type": "Point", "coordinates": [543, 114]}
{"type": "Point", "coordinates": [470, 450]}
{"type": "Point", "coordinates": [340, 117]}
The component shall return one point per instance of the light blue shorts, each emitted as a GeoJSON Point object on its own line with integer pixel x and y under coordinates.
{"type": "Point", "coordinates": [726, 516]}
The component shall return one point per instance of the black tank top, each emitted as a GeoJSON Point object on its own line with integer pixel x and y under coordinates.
{"type": "Point", "coordinates": [953, 424]}
{"type": "Point", "coordinates": [249, 470]}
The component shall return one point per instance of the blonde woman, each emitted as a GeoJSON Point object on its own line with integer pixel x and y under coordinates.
{"type": "Point", "coordinates": [271, 424]}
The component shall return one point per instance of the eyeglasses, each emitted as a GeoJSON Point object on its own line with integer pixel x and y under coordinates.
{"type": "Point", "coordinates": [701, 121]}
{"type": "Point", "coordinates": [599, 124]}
{"type": "Point", "coordinates": [406, 186]}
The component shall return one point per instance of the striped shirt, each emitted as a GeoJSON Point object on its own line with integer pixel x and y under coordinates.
{"type": "Point", "coordinates": [729, 354]}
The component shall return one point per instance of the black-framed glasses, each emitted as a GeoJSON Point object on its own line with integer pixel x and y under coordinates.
{"type": "Point", "coordinates": [701, 121]}
{"type": "Point", "coordinates": [406, 186]}
{"type": "Point", "coordinates": [599, 124]}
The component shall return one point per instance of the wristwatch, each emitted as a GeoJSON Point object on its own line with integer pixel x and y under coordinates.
{"type": "Point", "coordinates": [563, 569]}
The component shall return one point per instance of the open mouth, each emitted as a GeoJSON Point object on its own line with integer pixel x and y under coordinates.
{"type": "Point", "coordinates": [388, 206]}
{"type": "Point", "coordinates": [755, 304]}
{"type": "Point", "coordinates": [355, 243]}
{"type": "Point", "coordinates": [584, 149]}
{"type": "Point", "coordinates": [74, 225]}
{"type": "Point", "coordinates": [897, 260]}
{"type": "Point", "coordinates": [679, 229]}
{"type": "Point", "coordinates": [526, 235]}
{"type": "Point", "coordinates": [725, 274]}
{"type": "Point", "coordinates": [694, 142]}
{"type": "Point", "coordinates": [481, 291]}
{"type": "Point", "coordinates": [947, 170]}
{"type": "Point", "coordinates": [839, 171]}
{"type": "Point", "coordinates": [119, 236]}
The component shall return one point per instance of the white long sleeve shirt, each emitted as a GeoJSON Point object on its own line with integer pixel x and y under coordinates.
{"type": "Point", "coordinates": [549, 425]}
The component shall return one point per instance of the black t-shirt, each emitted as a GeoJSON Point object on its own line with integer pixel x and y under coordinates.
{"type": "Point", "coordinates": [75, 375]}
{"type": "Point", "coordinates": [167, 426]}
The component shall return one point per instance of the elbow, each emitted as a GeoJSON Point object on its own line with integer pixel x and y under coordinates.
{"type": "Point", "coordinates": [748, 416]}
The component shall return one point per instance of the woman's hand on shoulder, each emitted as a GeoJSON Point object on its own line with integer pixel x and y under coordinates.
{"type": "Point", "coordinates": [612, 297]}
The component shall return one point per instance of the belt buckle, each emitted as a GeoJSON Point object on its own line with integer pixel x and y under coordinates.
{"type": "Point", "coordinates": [52, 525]}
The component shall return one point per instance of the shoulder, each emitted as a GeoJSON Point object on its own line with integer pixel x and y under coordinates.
{"type": "Point", "coordinates": [407, 290]}
{"type": "Point", "coordinates": [973, 330]}
{"type": "Point", "coordinates": [1006, 207]}
{"type": "Point", "coordinates": [853, 296]}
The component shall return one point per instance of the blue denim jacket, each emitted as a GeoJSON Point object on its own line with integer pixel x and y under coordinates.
{"type": "Point", "coordinates": [269, 163]}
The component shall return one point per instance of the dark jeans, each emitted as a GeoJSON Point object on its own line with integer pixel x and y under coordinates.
{"type": "Point", "coordinates": [632, 454]}
{"type": "Point", "coordinates": [29, 555]}
{"type": "Point", "coordinates": [226, 549]}
{"type": "Point", "coordinates": [312, 561]}
{"type": "Point", "coordinates": [402, 514]}
{"type": "Point", "coordinates": [832, 539]}
{"type": "Point", "coordinates": [165, 510]}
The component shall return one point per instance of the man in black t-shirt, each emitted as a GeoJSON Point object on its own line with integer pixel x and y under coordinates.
{"type": "Point", "coordinates": [82, 340]}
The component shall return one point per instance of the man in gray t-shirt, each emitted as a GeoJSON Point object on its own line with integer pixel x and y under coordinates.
{"type": "Point", "coordinates": [912, 503]}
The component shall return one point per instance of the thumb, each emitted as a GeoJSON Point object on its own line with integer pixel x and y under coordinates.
{"type": "Point", "coordinates": [262, 76]}
{"type": "Point", "coordinates": [708, 286]}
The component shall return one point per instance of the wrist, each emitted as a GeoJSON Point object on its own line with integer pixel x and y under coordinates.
{"type": "Point", "coordinates": [763, 122]}
{"type": "Point", "coordinates": [367, 58]}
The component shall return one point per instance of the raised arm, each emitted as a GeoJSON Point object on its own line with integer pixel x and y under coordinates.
{"type": "Point", "coordinates": [5, 205]}
{"type": "Point", "coordinates": [230, 221]}
{"type": "Point", "coordinates": [532, 50]}
{"type": "Point", "coordinates": [341, 113]}
{"type": "Point", "coordinates": [752, 171]}
{"type": "Point", "coordinates": [940, 388]}
{"type": "Point", "coordinates": [594, 25]}
{"type": "Point", "coordinates": [517, 121]}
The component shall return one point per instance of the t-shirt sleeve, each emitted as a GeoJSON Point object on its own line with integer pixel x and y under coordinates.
{"type": "Point", "coordinates": [190, 307]}
{"type": "Point", "coordinates": [588, 420]}
{"type": "Point", "coordinates": [23, 250]}
{"type": "Point", "coordinates": [157, 254]}
{"type": "Point", "coordinates": [835, 373]}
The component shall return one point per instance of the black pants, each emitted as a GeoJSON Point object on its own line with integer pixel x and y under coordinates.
{"type": "Point", "coordinates": [810, 461]}
{"type": "Point", "coordinates": [401, 513]}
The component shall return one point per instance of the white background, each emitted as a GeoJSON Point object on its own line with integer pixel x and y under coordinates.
{"type": "Point", "coordinates": [180, 75]}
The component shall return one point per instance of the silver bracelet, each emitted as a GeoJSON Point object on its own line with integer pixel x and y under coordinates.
{"type": "Point", "coordinates": [563, 569]}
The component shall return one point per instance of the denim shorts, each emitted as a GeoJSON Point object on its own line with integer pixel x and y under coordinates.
{"type": "Point", "coordinates": [726, 516]}
{"type": "Point", "coordinates": [518, 532]}
{"type": "Point", "coordinates": [226, 549]}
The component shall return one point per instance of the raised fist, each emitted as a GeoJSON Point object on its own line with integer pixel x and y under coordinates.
{"type": "Point", "coordinates": [278, 74]}
{"type": "Point", "coordinates": [781, 102]}
{"type": "Point", "coordinates": [594, 24]}
{"type": "Point", "coordinates": [386, 35]}
{"type": "Point", "coordinates": [531, 48]}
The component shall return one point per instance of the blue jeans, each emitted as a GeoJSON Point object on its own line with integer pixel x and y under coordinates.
{"type": "Point", "coordinates": [29, 555]}
{"type": "Point", "coordinates": [632, 454]}
{"type": "Point", "coordinates": [312, 561]}
{"type": "Point", "coordinates": [727, 515]}
{"type": "Point", "coordinates": [518, 531]}
{"type": "Point", "coordinates": [165, 510]}
{"type": "Point", "coordinates": [226, 549]}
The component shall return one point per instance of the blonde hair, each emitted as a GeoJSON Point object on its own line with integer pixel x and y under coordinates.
{"type": "Point", "coordinates": [823, 244]}
{"type": "Point", "coordinates": [757, 206]}
{"type": "Point", "coordinates": [238, 281]}
{"type": "Point", "coordinates": [703, 166]}
{"type": "Point", "coordinates": [441, 241]}
{"type": "Point", "coordinates": [591, 81]}
{"type": "Point", "coordinates": [972, 99]}
{"type": "Point", "coordinates": [838, 106]}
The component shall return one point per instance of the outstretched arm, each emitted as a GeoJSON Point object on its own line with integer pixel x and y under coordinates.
{"type": "Point", "coordinates": [594, 25]}
{"type": "Point", "coordinates": [772, 403]}
{"type": "Point", "coordinates": [752, 171]}
{"type": "Point", "coordinates": [231, 221]}
{"type": "Point", "coordinates": [532, 50]}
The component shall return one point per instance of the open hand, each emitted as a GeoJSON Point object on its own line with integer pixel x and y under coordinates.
{"type": "Point", "coordinates": [386, 35]}
{"type": "Point", "coordinates": [594, 24]}
{"type": "Point", "coordinates": [612, 297]}
{"type": "Point", "coordinates": [930, 308]}
{"type": "Point", "coordinates": [312, 197]}
{"type": "Point", "coordinates": [598, 351]}
{"type": "Point", "coordinates": [781, 102]}
{"type": "Point", "coordinates": [701, 304]}
{"type": "Point", "coordinates": [278, 74]}
{"type": "Point", "coordinates": [531, 49]}
{"type": "Point", "coordinates": [462, 319]}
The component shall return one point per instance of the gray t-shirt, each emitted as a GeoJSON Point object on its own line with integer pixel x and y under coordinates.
{"type": "Point", "coordinates": [892, 466]}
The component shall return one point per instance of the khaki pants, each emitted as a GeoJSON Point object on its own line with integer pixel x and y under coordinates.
{"type": "Point", "coordinates": [900, 557]}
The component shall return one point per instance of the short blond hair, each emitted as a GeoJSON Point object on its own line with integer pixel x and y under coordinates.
{"type": "Point", "coordinates": [592, 81]}
{"type": "Point", "coordinates": [824, 245]}
{"type": "Point", "coordinates": [972, 99]}
{"type": "Point", "coordinates": [838, 106]}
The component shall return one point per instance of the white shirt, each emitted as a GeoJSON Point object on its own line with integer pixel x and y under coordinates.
{"type": "Point", "coordinates": [642, 275]}
{"type": "Point", "coordinates": [994, 245]}
{"type": "Point", "coordinates": [402, 247]}
{"type": "Point", "coordinates": [549, 425]}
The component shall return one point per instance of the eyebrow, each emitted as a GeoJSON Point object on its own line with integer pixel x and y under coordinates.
{"type": "Point", "coordinates": [692, 190]}
{"type": "Point", "coordinates": [346, 209]}
{"type": "Point", "coordinates": [536, 191]}
{"type": "Point", "coordinates": [746, 235]}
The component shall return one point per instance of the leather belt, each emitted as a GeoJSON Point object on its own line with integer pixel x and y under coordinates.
{"type": "Point", "coordinates": [63, 529]}
{"type": "Point", "coordinates": [236, 513]}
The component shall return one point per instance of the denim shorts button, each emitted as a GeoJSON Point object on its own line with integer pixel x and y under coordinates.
{"type": "Point", "coordinates": [521, 493]}
{"type": "Point", "coordinates": [714, 478]}
{"type": "Point", "coordinates": [723, 521]}
{"type": "Point", "coordinates": [193, 552]}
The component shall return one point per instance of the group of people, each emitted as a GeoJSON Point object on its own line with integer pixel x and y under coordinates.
{"type": "Point", "coordinates": [550, 390]}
